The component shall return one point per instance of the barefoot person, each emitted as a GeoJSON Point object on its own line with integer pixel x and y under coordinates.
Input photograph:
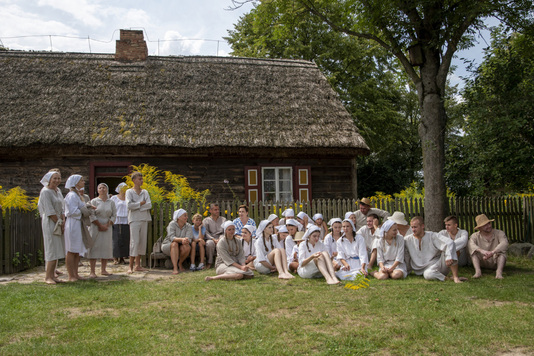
{"type": "Point", "coordinates": [366, 208]}
{"type": "Point", "coordinates": [101, 230]}
{"type": "Point", "coordinates": [487, 247]}
{"type": "Point", "coordinates": [352, 253]}
{"type": "Point", "coordinates": [121, 229]}
{"type": "Point", "coordinates": [139, 205]}
{"type": "Point", "coordinates": [390, 253]}
{"type": "Point", "coordinates": [459, 236]}
{"type": "Point", "coordinates": [370, 233]}
{"type": "Point", "coordinates": [214, 231]}
{"type": "Point", "coordinates": [230, 262]}
{"type": "Point", "coordinates": [330, 241]}
{"type": "Point", "coordinates": [52, 222]}
{"type": "Point", "coordinates": [270, 256]}
{"type": "Point", "coordinates": [177, 244]}
{"type": "Point", "coordinates": [248, 245]}
{"type": "Point", "coordinates": [314, 261]}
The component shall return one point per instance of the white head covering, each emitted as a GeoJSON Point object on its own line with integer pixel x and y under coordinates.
{"type": "Point", "coordinates": [282, 228]}
{"type": "Point", "coordinates": [119, 187]}
{"type": "Point", "coordinates": [311, 230]}
{"type": "Point", "coordinates": [46, 178]}
{"type": "Point", "coordinates": [272, 217]}
{"type": "Point", "coordinates": [103, 184]}
{"type": "Point", "coordinates": [385, 227]}
{"type": "Point", "coordinates": [263, 224]}
{"type": "Point", "coordinates": [302, 214]}
{"type": "Point", "coordinates": [348, 214]}
{"type": "Point", "coordinates": [334, 220]}
{"type": "Point", "coordinates": [288, 212]}
{"type": "Point", "coordinates": [292, 222]}
{"type": "Point", "coordinates": [250, 228]}
{"type": "Point", "coordinates": [317, 216]}
{"type": "Point", "coordinates": [178, 213]}
{"type": "Point", "coordinates": [72, 181]}
{"type": "Point", "coordinates": [399, 218]}
{"type": "Point", "coordinates": [226, 225]}
{"type": "Point", "coordinates": [353, 228]}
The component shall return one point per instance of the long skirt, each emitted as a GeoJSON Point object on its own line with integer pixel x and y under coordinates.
{"type": "Point", "coordinates": [121, 240]}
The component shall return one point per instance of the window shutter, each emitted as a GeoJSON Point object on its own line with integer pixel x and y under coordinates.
{"type": "Point", "coordinates": [302, 183]}
{"type": "Point", "coordinates": [253, 183]}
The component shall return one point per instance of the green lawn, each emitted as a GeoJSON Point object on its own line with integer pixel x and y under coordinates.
{"type": "Point", "coordinates": [264, 315]}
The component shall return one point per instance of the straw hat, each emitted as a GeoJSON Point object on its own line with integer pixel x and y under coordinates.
{"type": "Point", "coordinates": [398, 218]}
{"type": "Point", "coordinates": [366, 201]}
{"type": "Point", "coordinates": [482, 220]}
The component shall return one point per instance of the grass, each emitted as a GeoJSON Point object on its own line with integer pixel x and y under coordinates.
{"type": "Point", "coordinates": [186, 315]}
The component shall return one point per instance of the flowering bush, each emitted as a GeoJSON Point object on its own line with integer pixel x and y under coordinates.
{"type": "Point", "coordinates": [17, 198]}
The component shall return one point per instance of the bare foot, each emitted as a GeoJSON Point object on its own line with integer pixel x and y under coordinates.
{"type": "Point", "coordinates": [286, 276]}
{"type": "Point", "coordinates": [50, 281]}
{"type": "Point", "coordinates": [477, 275]}
{"type": "Point", "coordinates": [73, 279]}
{"type": "Point", "coordinates": [106, 273]}
{"type": "Point", "coordinates": [58, 273]}
{"type": "Point", "coordinates": [129, 271]}
{"type": "Point", "coordinates": [140, 269]}
{"type": "Point", "coordinates": [92, 275]}
{"type": "Point", "coordinates": [208, 278]}
{"type": "Point", "coordinates": [58, 280]}
{"type": "Point", "coordinates": [208, 266]}
{"type": "Point", "coordinates": [498, 276]}
{"type": "Point", "coordinates": [332, 282]}
{"type": "Point", "coordinates": [463, 279]}
{"type": "Point", "coordinates": [81, 278]}
{"type": "Point", "coordinates": [457, 280]}
{"type": "Point", "coordinates": [175, 272]}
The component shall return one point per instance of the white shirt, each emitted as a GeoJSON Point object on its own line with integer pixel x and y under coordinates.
{"type": "Point", "coordinates": [136, 211]}
{"type": "Point", "coordinates": [390, 253]}
{"type": "Point", "coordinates": [305, 253]}
{"type": "Point", "coordinates": [460, 241]}
{"type": "Point", "coordinates": [330, 244]}
{"type": "Point", "coordinates": [122, 210]}
{"type": "Point", "coordinates": [261, 252]}
{"type": "Point", "coordinates": [368, 236]}
{"type": "Point", "coordinates": [352, 251]}
{"type": "Point", "coordinates": [248, 248]}
{"type": "Point", "coordinates": [432, 246]}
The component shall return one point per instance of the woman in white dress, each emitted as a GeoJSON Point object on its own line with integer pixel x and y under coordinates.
{"type": "Point", "coordinates": [352, 253]}
{"type": "Point", "coordinates": [101, 230]}
{"type": "Point", "coordinates": [74, 209]}
{"type": "Point", "coordinates": [270, 256]}
{"type": "Point", "coordinates": [290, 245]}
{"type": "Point", "coordinates": [121, 229]}
{"type": "Point", "coordinates": [314, 260]}
{"type": "Point", "coordinates": [52, 221]}
{"type": "Point", "coordinates": [390, 253]}
{"type": "Point", "coordinates": [248, 245]}
{"type": "Point", "coordinates": [330, 241]}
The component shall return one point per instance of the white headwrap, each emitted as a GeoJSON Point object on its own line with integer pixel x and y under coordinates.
{"type": "Point", "coordinates": [301, 215]}
{"type": "Point", "coordinates": [72, 181]}
{"type": "Point", "coordinates": [272, 217]}
{"type": "Point", "coordinates": [105, 185]}
{"type": "Point", "coordinates": [226, 225]}
{"type": "Point", "coordinates": [288, 212]}
{"type": "Point", "coordinates": [263, 224]}
{"type": "Point", "coordinates": [334, 220]}
{"type": "Point", "coordinates": [46, 178]}
{"type": "Point", "coordinates": [250, 228]}
{"type": "Point", "coordinates": [348, 214]}
{"type": "Point", "coordinates": [178, 213]}
{"type": "Point", "coordinates": [385, 227]}
{"type": "Point", "coordinates": [317, 216]}
{"type": "Point", "coordinates": [311, 230]}
{"type": "Point", "coordinates": [353, 228]}
{"type": "Point", "coordinates": [292, 222]}
{"type": "Point", "coordinates": [282, 228]}
{"type": "Point", "coordinates": [119, 187]}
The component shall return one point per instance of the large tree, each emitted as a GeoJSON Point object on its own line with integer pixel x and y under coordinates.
{"type": "Point", "coordinates": [424, 36]}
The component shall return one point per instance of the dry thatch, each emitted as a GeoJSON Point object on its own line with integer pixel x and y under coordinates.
{"type": "Point", "coordinates": [90, 100]}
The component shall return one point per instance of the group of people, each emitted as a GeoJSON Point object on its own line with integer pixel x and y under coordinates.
{"type": "Point", "coordinates": [341, 249]}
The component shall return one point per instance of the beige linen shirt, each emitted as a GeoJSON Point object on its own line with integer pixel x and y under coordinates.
{"type": "Point", "coordinates": [498, 242]}
{"type": "Point", "coordinates": [214, 228]}
{"type": "Point", "coordinates": [361, 219]}
{"type": "Point", "coordinates": [229, 252]}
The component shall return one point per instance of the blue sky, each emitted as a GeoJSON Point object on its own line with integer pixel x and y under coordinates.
{"type": "Point", "coordinates": [173, 23]}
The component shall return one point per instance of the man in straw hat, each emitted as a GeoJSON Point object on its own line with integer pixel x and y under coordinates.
{"type": "Point", "coordinates": [366, 208]}
{"type": "Point", "coordinates": [487, 247]}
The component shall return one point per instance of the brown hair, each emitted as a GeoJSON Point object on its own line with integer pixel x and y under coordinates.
{"type": "Point", "coordinates": [243, 207]}
{"type": "Point", "coordinates": [452, 217]}
{"type": "Point", "coordinates": [196, 216]}
{"type": "Point", "coordinates": [136, 174]}
{"type": "Point", "coordinates": [418, 218]}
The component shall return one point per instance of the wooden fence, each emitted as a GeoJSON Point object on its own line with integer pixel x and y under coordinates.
{"type": "Point", "coordinates": [21, 243]}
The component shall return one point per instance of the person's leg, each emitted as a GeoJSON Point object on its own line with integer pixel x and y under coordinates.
{"type": "Point", "coordinates": [280, 261]}
{"type": "Point", "coordinates": [70, 260]}
{"type": "Point", "coordinates": [321, 266]}
{"type": "Point", "coordinates": [192, 255]}
{"type": "Point", "coordinates": [330, 267]}
{"type": "Point", "coordinates": [476, 264]}
{"type": "Point", "coordinates": [92, 264]}
{"type": "Point", "coordinates": [50, 272]}
{"type": "Point", "coordinates": [201, 247]}
{"type": "Point", "coordinates": [501, 261]}
{"type": "Point", "coordinates": [372, 260]}
{"type": "Point", "coordinates": [293, 266]}
{"type": "Point", "coordinates": [77, 266]}
{"type": "Point", "coordinates": [381, 275]}
{"type": "Point", "coordinates": [226, 276]}
{"type": "Point", "coordinates": [175, 254]}
{"type": "Point", "coordinates": [103, 265]}
{"type": "Point", "coordinates": [397, 274]}
{"type": "Point", "coordinates": [141, 247]}
{"type": "Point", "coordinates": [134, 241]}
{"type": "Point", "coordinates": [454, 270]}
{"type": "Point", "coordinates": [210, 251]}
{"type": "Point", "coordinates": [185, 250]}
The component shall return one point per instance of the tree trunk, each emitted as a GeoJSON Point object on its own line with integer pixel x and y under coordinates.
{"type": "Point", "coordinates": [432, 135]}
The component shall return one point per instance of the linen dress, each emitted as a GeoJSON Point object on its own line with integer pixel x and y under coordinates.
{"type": "Point", "coordinates": [331, 245]}
{"type": "Point", "coordinates": [389, 254]}
{"type": "Point", "coordinates": [102, 240]}
{"type": "Point", "coordinates": [73, 227]}
{"type": "Point", "coordinates": [121, 229]}
{"type": "Point", "coordinates": [354, 253]}
{"type": "Point", "coordinates": [310, 270]}
{"type": "Point", "coordinates": [51, 203]}
{"type": "Point", "coordinates": [262, 253]}
{"type": "Point", "coordinates": [229, 252]}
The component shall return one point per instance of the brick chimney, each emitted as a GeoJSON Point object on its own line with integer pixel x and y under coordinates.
{"type": "Point", "coordinates": [131, 47]}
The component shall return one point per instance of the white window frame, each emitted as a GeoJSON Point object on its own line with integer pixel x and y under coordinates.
{"type": "Point", "coordinates": [276, 181]}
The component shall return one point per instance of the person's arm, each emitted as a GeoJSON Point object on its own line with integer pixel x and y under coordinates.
{"type": "Point", "coordinates": [446, 245]}
{"type": "Point", "coordinates": [503, 242]}
{"type": "Point", "coordinates": [362, 253]}
{"type": "Point", "coordinates": [148, 203]}
{"type": "Point", "coordinates": [208, 235]}
{"type": "Point", "coordinates": [461, 239]}
{"type": "Point", "coordinates": [113, 216]}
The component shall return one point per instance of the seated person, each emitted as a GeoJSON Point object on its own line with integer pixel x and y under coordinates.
{"type": "Point", "coordinates": [430, 254]}
{"type": "Point", "coordinates": [248, 245]}
{"type": "Point", "coordinates": [366, 208]}
{"type": "Point", "coordinates": [230, 262]}
{"type": "Point", "coordinates": [177, 244]}
{"type": "Point", "coordinates": [214, 231]}
{"type": "Point", "coordinates": [487, 247]}
{"type": "Point", "coordinates": [403, 228]}
{"type": "Point", "coordinates": [370, 233]}
{"type": "Point", "coordinates": [319, 222]}
{"type": "Point", "coordinates": [330, 241]}
{"type": "Point", "coordinates": [287, 214]}
{"type": "Point", "coordinates": [242, 220]}
{"type": "Point", "coordinates": [390, 253]}
{"type": "Point", "coordinates": [198, 245]}
{"type": "Point", "coordinates": [274, 219]}
{"type": "Point", "coordinates": [459, 236]}
{"type": "Point", "coordinates": [352, 253]}
{"type": "Point", "coordinates": [314, 261]}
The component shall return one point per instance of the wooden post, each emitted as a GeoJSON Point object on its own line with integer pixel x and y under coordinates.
{"type": "Point", "coordinates": [354, 178]}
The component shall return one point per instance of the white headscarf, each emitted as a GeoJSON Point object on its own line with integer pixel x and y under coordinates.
{"type": "Point", "coordinates": [46, 178]}
{"type": "Point", "coordinates": [103, 184]}
{"type": "Point", "coordinates": [119, 187]}
{"type": "Point", "coordinates": [226, 225]}
{"type": "Point", "coordinates": [72, 181]}
{"type": "Point", "coordinates": [334, 220]}
{"type": "Point", "coordinates": [353, 228]}
{"type": "Point", "coordinates": [178, 213]}
{"type": "Point", "coordinates": [263, 224]}
{"type": "Point", "coordinates": [310, 230]}
{"type": "Point", "coordinates": [250, 228]}
{"type": "Point", "coordinates": [385, 227]}
{"type": "Point", "coordinates": [282, 228]}
{"type": "Point", "coordinates": [301, 215]}
{"type": "Point", "coordinates": [288, 212]}
{"type": "Point", "coordinates": [348, 214]}
{"type": "Point", "coordinates": [272, 217]}
{"type": "Point", "coordinates": [317, 216]}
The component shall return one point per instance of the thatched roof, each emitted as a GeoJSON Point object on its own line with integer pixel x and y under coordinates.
{"type": "Point", "coordinates": [91, 100]}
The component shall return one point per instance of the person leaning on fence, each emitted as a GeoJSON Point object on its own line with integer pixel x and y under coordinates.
{"type": "Point", "coordinates": [390, 253]}
{"type": "Point", "coordinates": [177, 243]}
{"type": "Point", "coordinates": [459, 236]}
{"type": "Point", "coordinates": [198, 245]}
{"type": "Point", "coordinates": [487, 247]}
{"type": "Point", "coordinates": [230, 263]}
{"type": "Point", "coordinates": [214, 231]}
{"type": "Point", "coordinates": [314, 260]}
{"type": "Point", "coordinates": [352, 253]}
{"type": "Point", "coordinates": [139, 205]}
{"type": "Point", "coordinates": [53, 223]}
{"type": "Point", "coordinates": [121, 229]}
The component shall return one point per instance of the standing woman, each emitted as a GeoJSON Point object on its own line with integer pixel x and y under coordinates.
{"type": "Point", "coordinates": [52, 221]}
{"type": "Point", "coordinates": [314, 261]}
{"type": "Point", "coordinates": [352, 253]}
{"type": "Point", "coordinates": [121, 229]}
{"type": "Point", "coordinates": [270, 256]}
{"type": "Point", "coordinates": [390, 253]}
{"type": "Point", "coordinates": [139, 205]}
{"type": "Point", "coordinates": [101, 231]}
{"type": "Point", "coordinates": [230, 262]}
{"type": "Point", "coordinates": [74, 209]}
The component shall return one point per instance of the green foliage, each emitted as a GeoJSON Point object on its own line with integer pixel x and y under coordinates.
{"type": "Point", "coordinates": [16, 259]}
{"type": "Point", "coordinates": [181, 191]}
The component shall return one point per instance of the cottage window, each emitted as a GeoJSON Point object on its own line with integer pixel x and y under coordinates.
{"type": "Point", "coordinates": [281, 183]}
{"type": "Point", "coordinates": [277, 183]}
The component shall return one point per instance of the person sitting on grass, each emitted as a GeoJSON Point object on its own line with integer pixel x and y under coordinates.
{"type": "Point", "coordinates": [390, 253]}
{"type": "Point", "coordinates": [289, 244]}
{"type": "Point", "coordinates": [351, 252]}
{"type": "Point", "coordinates": [370, 233]}
{"type": "Point", "coordinates": [459, 236]}
{"type": "Point", "coordinates": [271, 257]}
{"type": "Point", "coordinates": [487, 247]}
{"type": "Point", "coordinates": [248, 245]}
{"type": "Point", "coordinates": [330, 241]}
{"type": "Point", "coordinates": [319, 221]}
{"type": "Point", "coordinates": [274, 219]}
{"type": "Point", "coordinates": [177, 244]}
{"type": "Point", "coordinates": [198, 245]}
{"type": "Point", "coordinates": [314, 260]}
{"type": "Point", "coordinates": [230, 263]}
{"type": "Point", "coordinates": [429, 254]}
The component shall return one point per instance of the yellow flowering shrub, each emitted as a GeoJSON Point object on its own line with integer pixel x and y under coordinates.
{"type": "Point", "coordinates": [151, 179]}
{"type": "Point", "coordinates": [181, 191]}
{"type": "Point", "coordinates": [16, 198]}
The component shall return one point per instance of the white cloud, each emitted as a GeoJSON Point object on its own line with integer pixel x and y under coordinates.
{"type": "Point", "coordinates": [82, 10]}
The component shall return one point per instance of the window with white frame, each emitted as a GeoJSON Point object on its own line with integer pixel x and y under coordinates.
{"type": "Point", "coordinates": [277, 183]}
